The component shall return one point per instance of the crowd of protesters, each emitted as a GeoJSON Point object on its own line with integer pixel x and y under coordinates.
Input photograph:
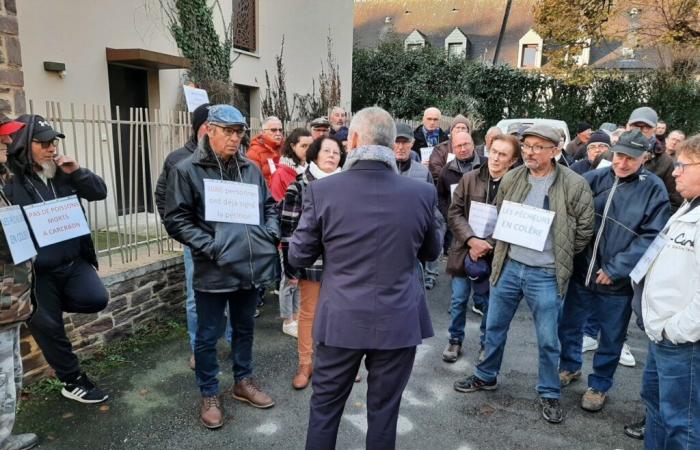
{"type": "Point", "coordinates": [350, 224]}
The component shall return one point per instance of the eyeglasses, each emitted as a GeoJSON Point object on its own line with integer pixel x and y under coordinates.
{"type": "Point", "coordinates": [681, 166]}
{"type": "Point", "coordinates": [47, 144]}
{"type": "Point", "coordinates": [274, 130]}
{"type": "Point", "coordinates": [230, 131]}
{"type": "Point", "coordinates": [536, 148]}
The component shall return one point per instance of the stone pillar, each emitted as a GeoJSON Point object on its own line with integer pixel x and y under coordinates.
{"type": "Point", "coordinates": [12, 100]}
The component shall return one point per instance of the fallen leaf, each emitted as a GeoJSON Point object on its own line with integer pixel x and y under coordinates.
{"type": "Point", "coordinates": [143, 392]}
{"type": "Point", "coordinates": [104, 408]}
{"type": "Point", "coordinates": [487, 410]}
{"type": "Point", "coordinates": [67, 416]}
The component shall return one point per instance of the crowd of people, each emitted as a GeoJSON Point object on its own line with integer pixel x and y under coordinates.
{"type": "Point", "coordinates": [349, 227]}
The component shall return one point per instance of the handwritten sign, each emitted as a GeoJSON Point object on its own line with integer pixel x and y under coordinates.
{"type": "Point", "coordinates": [482, 218]}
{"type": "Point", "coordinates": [523, 225]}
{"type": "Point", "coordinates": [642, 266]}
{"type": "Point", "coordinates": [17, 234]}
{"type": "Point", "coordinates": [231, 202]}
{"type": "Point", "coordinates": [57, 220]}
{"type": "Point", "coordinates": [603, 163]}
{"type": "Point", "coordinates": [195, 97]}
{"type": "Point", "coordinates": [425, 153]}
{"type": "Point", "coordinates": [452, 189]}
{"type": "Point", "coordinates": [450, 157]}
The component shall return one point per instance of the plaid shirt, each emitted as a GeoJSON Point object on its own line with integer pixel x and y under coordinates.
{"type": "Point", "coordinates": [289, 219]}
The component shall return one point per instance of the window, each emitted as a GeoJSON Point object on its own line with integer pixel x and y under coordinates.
{"type": "Point", "coordinates": [529, 55]}
{"type": "Point", "coordinates": [455, 49]}
{"type": "Point", "coordinates": [245, 31]}
{"type": "Point", "coordinates": [414, 46]}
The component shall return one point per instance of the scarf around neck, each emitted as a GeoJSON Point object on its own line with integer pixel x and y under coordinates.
{"type": "Point", "coordinates": [318, 173]}
{"type": "Point", "coordinates": [372, 153]}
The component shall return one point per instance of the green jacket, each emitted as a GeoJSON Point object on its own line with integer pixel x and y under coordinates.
{"type": "Point", "coordinates": [571, 200]}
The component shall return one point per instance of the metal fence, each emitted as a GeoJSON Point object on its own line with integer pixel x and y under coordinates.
{"type": "Point", "coordinates": [127, 149]}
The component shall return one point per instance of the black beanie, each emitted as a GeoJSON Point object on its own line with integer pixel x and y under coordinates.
{"type": "Point", "coordinates": [199, 116]}
{"type": "Point", "coordinates": [582, 126]}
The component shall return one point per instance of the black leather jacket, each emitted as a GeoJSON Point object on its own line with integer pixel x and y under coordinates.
{"type": "Point", "coordinates": [227, 256]}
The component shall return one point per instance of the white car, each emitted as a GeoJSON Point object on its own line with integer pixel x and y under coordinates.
{"type": "Point", "coordinates": [560, 124]}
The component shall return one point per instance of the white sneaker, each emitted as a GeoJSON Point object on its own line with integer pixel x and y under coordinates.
{"type": "Point", "coordinates": [589, 344]}
{"type": "Point", "coordinates": [291, 328]}
{"type": "Point", "coordinates": [626, 357]}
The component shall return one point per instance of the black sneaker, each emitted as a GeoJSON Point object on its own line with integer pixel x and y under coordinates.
{"type": "Point", "coordinates": [473, 384]}
{"type": "Point", "coordinates": [551, 410]}
{"type": "Point", "coordinates": [83, 390]}
{"type": "Point", "coordinates": [636, 430]}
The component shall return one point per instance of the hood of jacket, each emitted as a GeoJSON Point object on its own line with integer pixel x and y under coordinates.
{"type": "Point", "coordinates": [19, 153]}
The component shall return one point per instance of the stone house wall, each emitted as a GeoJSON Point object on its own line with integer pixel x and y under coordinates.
{"type": "Point", "coordinates": [12, 100]}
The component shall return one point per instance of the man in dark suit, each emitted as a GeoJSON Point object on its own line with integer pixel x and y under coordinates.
{"type": "Point", "coordinates": [372, 227]}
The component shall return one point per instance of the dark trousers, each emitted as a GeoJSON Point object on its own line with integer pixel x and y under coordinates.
{"type": "Point", "coordinates": [74, 287]}
{"type": "Point", "coordinates": [333, 378]}
{"type": "Point", "coordinates": [210, 311]}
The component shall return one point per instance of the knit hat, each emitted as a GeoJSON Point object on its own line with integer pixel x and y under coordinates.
{"type": "Point", "coordinates": [581, 127]}
{"type": "Point", "coordinates": [599, 136]}
{"type": "Point", "coordinates": [463, 120]}
{"type": "Point", "coordinates": [199, 116]}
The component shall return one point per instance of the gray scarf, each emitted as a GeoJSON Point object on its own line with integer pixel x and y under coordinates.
{"type": "Point", "coordinates": [371, 153]}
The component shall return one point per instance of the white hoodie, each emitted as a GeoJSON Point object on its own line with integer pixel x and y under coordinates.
{"type": "Point", "coordinates": [671, 296]}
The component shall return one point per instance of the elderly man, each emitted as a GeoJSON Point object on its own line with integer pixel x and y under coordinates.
{"type": "Point", "coordinates": [338, 119]}
{"type": "Point", "coordinates": [231, 256]}
{"type": "Point", "coordinates": [539, 276]}
{"type": "Point", "coordinates": [346, 218]}
{"type": "Point", "coordinates": [632, 206]}
{"type": "Point", "coordinates": [429, 134]}
{"type": "Point", "coordinates": [265, 148]}
{"type": "Point", "coordinates": [577, 148]}
{"type": "Point", "coordinates": [598, 145]}
{"type": "Point", "coordinates": [320, 126]}
{"type": "Point", "coordinates": [66, 271]}
{"type": "Point", "coordinates": [674, 138]}
{"type": "Point", "coordinates": [658, 162]}
{"type": "Point", "coordinates": [441, 153]}
{"type": "Point", "coordinates": [670, 306]}
{"type": "Point", "coordinates": [483, 149]}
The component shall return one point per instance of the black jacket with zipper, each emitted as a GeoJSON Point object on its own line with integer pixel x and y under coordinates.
{"type": "Point", "coordinates": [227, 256]}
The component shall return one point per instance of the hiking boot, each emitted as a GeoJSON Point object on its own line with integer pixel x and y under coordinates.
{"type": "Point", "coordinates": [589, 344]}
{"type": "Point", "coordinates": [478, 310]}
{"type": "Point", "coordinates": [20, 441]}
{"type": "Point", "coordinates": [593, 400]}
{"type": "Point", "coordinates": [303, 376]}
{"type": "Point", "coordinates": [211, 414]}
{"type": "Point", "coordinates": [248, 391]}
{"type": "Point", "coordinates": [192, 365]}
{"type": "Point", "coordinates": [473, 384]}
{"type": "Point", "coordinates": [551, 410]}
{"type": "Point", "coordinates": [636, 430]}
{"type": "Point", "coordinates": [626, 357]}
{"type": "Point", "coordinates": [83, 390]}
{"type": "Point", "coordinates": [566, 377]}
{"type": "Point", "coordinates": [452, 352]}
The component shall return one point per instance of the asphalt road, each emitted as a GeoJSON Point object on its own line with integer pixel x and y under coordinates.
{"type": "Point", "coordinates": [154, 400]}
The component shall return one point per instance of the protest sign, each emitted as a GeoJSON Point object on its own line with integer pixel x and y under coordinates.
{"type": "Point", "coordinates": [231, 202]}
{"type": "Point", "coordinates": [425, 153]}
{"type": "Point", "coordinates": [17, 234]}
{"type": "Point", "coordinates": [642, 266]}
{"type": "Point", "coordinates": [604, 163]}
{"type": "Point", "coordinates": [523, 225]}
{"type": "Point", "coordinates": [57, 220]}
{"type": "Point", "coordinates": [482, 218]}
{"type": "Point", "coordinates": [450, 157]}
{"type": "Point", "coordinates": [195, 97]}
{"type": "Point", "coordinates": [452, 189]}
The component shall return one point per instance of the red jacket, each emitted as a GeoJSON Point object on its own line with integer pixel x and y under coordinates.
{"type": "Point", "coordinates": [263, 148]}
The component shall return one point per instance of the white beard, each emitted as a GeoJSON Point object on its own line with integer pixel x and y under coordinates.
{"type": "Point", "coordinates": [48, 169]}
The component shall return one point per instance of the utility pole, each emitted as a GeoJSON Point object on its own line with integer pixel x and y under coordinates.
{"type": "Point", "coordinates": [506, 13]}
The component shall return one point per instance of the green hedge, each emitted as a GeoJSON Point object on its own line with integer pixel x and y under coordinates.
{"type": "Point", "coordinates": [407, 82]}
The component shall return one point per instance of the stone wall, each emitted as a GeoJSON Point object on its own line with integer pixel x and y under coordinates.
{"type": "Point", "coordinates": [12, 100]}
{"type": "Point", "coordinates": [138, 296]}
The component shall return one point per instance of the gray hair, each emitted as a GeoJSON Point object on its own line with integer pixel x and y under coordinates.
{"type": "Point", "coordinates": [271, 119]}
{"type": "Point", "coordinates": [374, 126]}
{"type": "Point", "coordinates": [493, 131]}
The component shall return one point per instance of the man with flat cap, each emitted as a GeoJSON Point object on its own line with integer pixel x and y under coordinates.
{"type": "Point", "coordinates": [541, 276]}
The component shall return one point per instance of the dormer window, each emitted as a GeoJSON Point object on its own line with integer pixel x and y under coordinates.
{"type": "Point", "coordinates": [530, 50]}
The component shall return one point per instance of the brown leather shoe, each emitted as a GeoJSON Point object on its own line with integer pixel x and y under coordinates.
{"type": "Point", "coordinates": [303, 376]}
{"type": "Point", "coordinates": [211, 414]}
{"type": "Point", "coordinates": [248, 391]}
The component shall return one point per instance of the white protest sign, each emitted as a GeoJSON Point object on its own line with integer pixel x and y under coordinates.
{"type": "Point", "coordinates": [452, 189]}
{"type": "Point", "coordinates": [482, 218]}
{"type": "Point", "coordinates": [195, 97]}
{"type": "Point", "coordinates": [425, 153]}
{"type": "Point", "coordinates": [450, 157]}
{"type": "Point", "coordinates": [523, 225]}
{"type": "Point", "coordinates": [642, 266]}
{"type": "Point", "coordinates": [272, 166]}
{"type": "Point", "coordinates": [17, 234]}
{"type": "Point", "coordinates": [603, 163]}
{"type": "Point", "coordinates": [231, 202]}
{"type": "Point", "coordinates": [57, 220]}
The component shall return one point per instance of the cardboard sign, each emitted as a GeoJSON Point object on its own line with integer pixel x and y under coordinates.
{"type": "Point", "coordinates": [603, 163]}
{"type": "Point", "coordinates": [425, 153]}
{"type": "Point", "coordinates": [450, 157]}
{"type": "Point", "coordinates": [482, 218]}
{"type": "Point", "coordinates": [231, 202]}
{"type": "Point", "coordinates": [195, 97]}
{"type": "Point", "coordinates": [57, 220]}
{"type": "Point", "coordinates": [523, 225]}
{"type": "Point", "coordinates": [17, 234]}
{"type": "Point", "coordinates": [642, 267]}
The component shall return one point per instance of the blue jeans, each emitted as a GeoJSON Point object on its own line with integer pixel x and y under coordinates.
{"type": "Point", "coordinates": [461, 288]}
{"type": "Point", "coordinates": [613, 314]}
{"type": "Point", "coordinates": [592, 327]}
{"type": "Point", "coordinates": [539, 287]}
{"type": "Point", "coordinates": [671, 393]}
{"type": "Point", "coordinates": [210, 311]}
{"type": "Point", "coordinates": [190, 307]}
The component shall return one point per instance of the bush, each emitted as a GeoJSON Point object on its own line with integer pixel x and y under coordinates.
{"type": "Point", "coordinates": [406, 82]}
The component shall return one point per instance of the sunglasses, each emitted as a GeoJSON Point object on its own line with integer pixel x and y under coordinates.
{"type": "Point", "coordinates": [47, 144]}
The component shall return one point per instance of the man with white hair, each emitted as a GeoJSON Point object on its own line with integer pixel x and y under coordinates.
{"type": "Point", "coordinates": [429, 134]}
{"type": "Point", "coordinates": [483, 149]}
{"type": "Point", "coordinates": [265, 148]}
{"type": "Point", "coordinates": [337, 119]}
{"type": "Point", "coordinates": [372, 303]}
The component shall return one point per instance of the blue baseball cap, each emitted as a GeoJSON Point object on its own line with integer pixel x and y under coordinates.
{"type": "Point", "coordinates": [478, 272]}
{"type": "Point", "coordinates": [225, 115]}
